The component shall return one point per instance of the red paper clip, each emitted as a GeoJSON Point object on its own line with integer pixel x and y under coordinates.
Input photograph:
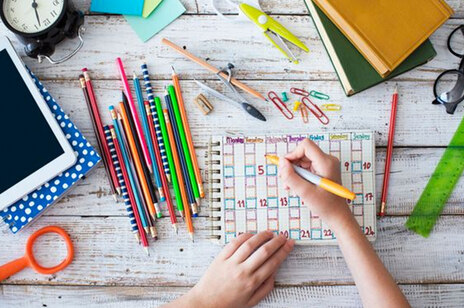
{"type": "Point", "coordinates": [280, 105]}
{"type": "Point", "coordinates": [299, 92]}
{"type": "Point", "coordinates": [315, 110]}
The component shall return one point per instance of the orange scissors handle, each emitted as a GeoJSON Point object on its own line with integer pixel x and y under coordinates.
{"type": "Point", "coordinates": [13, 267]}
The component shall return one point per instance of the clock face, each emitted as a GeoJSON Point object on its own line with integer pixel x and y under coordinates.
{"type": "Point", "coordinates": [32, 16]}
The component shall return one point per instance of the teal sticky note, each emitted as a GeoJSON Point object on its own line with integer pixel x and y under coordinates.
{"type": "Point", "coordinates": [132, 7]}
{"type": "Point", "coordinates": [163, 15]}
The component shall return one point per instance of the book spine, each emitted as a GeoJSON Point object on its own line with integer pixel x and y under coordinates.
{"type": "Point", "coordinates": [214, 176]}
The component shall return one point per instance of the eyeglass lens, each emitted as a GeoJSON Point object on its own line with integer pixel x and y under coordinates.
{"type": "Point", "coordinates": [456, 42]}
{"type": "Point", "coordinates": [450, 87]}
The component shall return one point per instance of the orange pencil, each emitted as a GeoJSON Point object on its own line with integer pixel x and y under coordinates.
{"type": "Point", "coordinates": [183, 192]}
{"type": "Point", "coordinates": [212, 69]}
{"type": "Point", "coordinates": [137, 163]}
{"type": "Point", "coordinates": [188, 134]}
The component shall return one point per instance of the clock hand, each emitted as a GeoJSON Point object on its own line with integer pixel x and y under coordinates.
{"type": "Point", "coordinates": [35, 5]}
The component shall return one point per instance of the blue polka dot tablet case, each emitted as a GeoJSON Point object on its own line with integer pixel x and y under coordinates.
{"type": "Point", "coordinates": [26, 210]}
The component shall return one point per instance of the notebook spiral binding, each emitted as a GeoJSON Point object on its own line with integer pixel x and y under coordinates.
{"type": "Point", "coordinates": [214, 171]}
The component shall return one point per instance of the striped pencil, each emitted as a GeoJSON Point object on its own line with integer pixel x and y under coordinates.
{"type": "Point", "coordinates": [167, 193]}
{"type": "Point", "coordinates": [122, 177]}
{"type": "Point", "coordinates": [133, 111]}
{"type": "Point", "coordinates": [146, 130]}
{"type": "Point", "coordinates": [159, 135]}
{"type": "Point", "coordinates": [142, 214]}
{"type": "Point", "coordinates": [188, 217]}
{"type": "Point", "coordinates": [182, 157]}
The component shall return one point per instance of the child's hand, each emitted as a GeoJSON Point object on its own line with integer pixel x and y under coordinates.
{"type": "Point", "coordinates": [308, 155]}
{"type": "Point", "coordinates": [243, 273]}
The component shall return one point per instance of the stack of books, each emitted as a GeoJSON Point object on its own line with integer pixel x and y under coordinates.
{"type": "Point", "coordinates": [372, 41]}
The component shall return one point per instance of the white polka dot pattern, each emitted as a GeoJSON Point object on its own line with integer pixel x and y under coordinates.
{"type": "Point", "coordinates": [36, 202]}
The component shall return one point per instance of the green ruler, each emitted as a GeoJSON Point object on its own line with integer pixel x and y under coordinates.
{"type": "Point", "coordinates": [439, 187]}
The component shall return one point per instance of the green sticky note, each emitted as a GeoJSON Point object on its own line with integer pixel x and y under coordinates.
{"type": "Point", "coordinates": [166, 12]}
{"type": "Point", "coordinates": [149, 6]}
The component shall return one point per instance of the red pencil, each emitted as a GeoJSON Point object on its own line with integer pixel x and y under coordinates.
{"type": "Point", "coordinates": [388, 158]}
{"type": "Point", "coordinates": [143, 237]}
{"type": "Point", "coordinates": [96, 117]}
{"type": "Point", "coordinates": [159, 162]}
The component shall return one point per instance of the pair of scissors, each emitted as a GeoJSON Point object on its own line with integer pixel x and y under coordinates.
{"type": "Point", "coordinates": [28, 260]}
{"type": "Point", "coordinates": [274, 31]}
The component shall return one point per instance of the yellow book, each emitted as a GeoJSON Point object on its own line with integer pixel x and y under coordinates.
{"type": "Point", "coordinates": [386, 32]}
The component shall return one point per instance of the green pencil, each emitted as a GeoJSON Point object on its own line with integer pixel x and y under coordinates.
{"type": "Point", "coordinates": [172, 168]}
{"type": "Point", "coordinates": [188, 158]}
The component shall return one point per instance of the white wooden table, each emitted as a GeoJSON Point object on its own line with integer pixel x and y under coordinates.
{"type": "Point", "coordinates": [109, 269]}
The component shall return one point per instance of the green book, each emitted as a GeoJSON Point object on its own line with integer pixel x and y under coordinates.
{"type": "Point", "coordinates": [353, 70]}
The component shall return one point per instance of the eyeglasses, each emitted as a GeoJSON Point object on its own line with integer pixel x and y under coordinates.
{"type": "Point", "coordinates": [449, 86]}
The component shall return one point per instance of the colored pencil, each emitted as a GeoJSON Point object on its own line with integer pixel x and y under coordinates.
{"type": "Point", "coordinates": [133, 111]}
{"type": "Point", "coordinates": [159, 161]}
{"type": "Point", "coordinates": [181, 156]}
{"type": "Point", "coordinates": [130, 175]}
{"type": "Point", "coordinates": [184, 145]}
{"type": "Point", "coordinates": [391, 134]}
{"type": "Point", "coordinates": [151, 100]}
{"type": "Point", "coordinates": [127, 195]}
{"type": "Point", "coordinates": [86, 85]}
{"type": "Point", "coordinates": [172, 168]}
{"type": "Point", "coordinates": [146, 129]}
{"type": "Point", "coordinates": [212, 69]}
{"type": "Point", "coordinates": [188, 134]}
{"type": "Point", "coordinates": [130, 193]}
{"type": "Point", "coordinates": [137, 181]}
{"type": "Point", "coordinates": [188, 218]}
{"type": "Point", "coordinates": [138, 147]}
{"type": "Point", "coordinates": [142, 176]}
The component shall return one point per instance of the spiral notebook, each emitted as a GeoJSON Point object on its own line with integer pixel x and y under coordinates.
{"type": "Point", "coordinates": [23, 212]}
{"type": "Point", "coordinates": [246, 194]}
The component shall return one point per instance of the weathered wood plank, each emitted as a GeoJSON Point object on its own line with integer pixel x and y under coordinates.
{"type": "Point", "coordinates": [220, 42]}
{"type": "Point", "coordinates": [280, 7]}
{"type": "Point", "coordinates": [106, 254]}
{"type": "Point", "coordinates": [429, 295]}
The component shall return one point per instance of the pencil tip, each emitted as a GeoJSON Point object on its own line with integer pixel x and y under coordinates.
{"type": "Point", "coordinates": [134, 75]}
{"type": "Point", "coordinates": [396, 89]}
{"type": "Point", "coordinates": [146, 251]}
{"type": "Point", "coordinates": [173, 70]}
{"type": "Point", "coordinates": [115, 198]}
{"type": "Point", "coordinates": [118, 189]}
{"type": "Point", "coordinates": [191, 237]}
{"type": "Point", "coordinates": [174, 225]}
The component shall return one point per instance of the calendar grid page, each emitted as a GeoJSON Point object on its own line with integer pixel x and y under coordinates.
{"type": "Point", "coordinates": [254, 199]}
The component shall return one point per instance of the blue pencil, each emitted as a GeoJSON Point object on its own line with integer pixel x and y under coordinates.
{"type": "Point", "coordinates": [146, 130]}
{"type": "Point", "coordinates": [159, 134]}
{"type": "Point", "coordinates": [117, 168]}
{"type": "Point", "coordinates": [188, 183]}
{"type": "Point", "coordinates": [140, 207]}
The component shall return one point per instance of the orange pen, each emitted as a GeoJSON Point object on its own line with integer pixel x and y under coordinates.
{"type": "Point", "coordinates": [175, 155]}
{"type": "Point", "coordinates": [137, 163]}
{"type": "Point", "coordinates": [188, 134]}
{"type": "Point", "coordinates": [324, 183]}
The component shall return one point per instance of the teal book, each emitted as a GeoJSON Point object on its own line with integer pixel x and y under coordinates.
{"type": "Point", "coordinates": [354, 71]}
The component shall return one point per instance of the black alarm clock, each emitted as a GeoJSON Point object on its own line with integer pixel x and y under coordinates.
{"type": "Point", "coordinates": [41, 24]}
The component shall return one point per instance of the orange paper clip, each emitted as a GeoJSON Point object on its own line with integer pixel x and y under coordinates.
{"type": "Point", "coordinates": [304, 114]}
{"type": "Point", "coordinates": [299, 92]}
{"type": "Point", "coordinates": [315, 110]}
{"type": "Point", "coordinates": [280, 105]}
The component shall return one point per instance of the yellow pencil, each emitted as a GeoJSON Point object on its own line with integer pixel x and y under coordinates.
{"type": "Point", "coordinates": [324, 183]}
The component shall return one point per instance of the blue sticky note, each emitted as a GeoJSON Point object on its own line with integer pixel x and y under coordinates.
{"type": "Point", "coordinates": [163, 15]}
{"type": "Point", "coordinates": [127, 7]}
